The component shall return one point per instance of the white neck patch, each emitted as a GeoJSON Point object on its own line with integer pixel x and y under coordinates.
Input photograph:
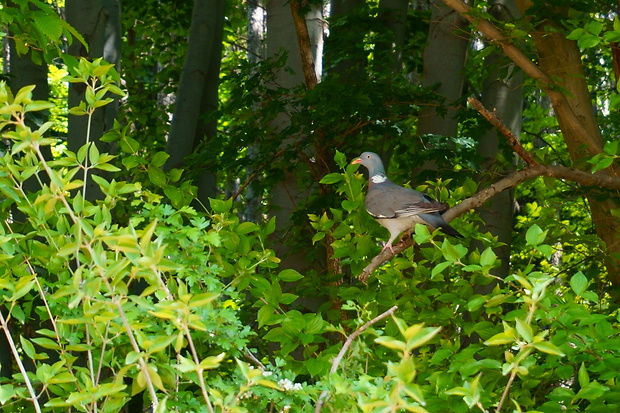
{"type": "Point", "coordinates": [377, 179]}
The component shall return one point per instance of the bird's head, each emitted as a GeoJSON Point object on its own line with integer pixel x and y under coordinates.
{"type": "Point", "coordinates": [370, 160]}
{"type": "Point", "coordinates": [373, 163]}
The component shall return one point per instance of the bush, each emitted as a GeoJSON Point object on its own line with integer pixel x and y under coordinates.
{"type": "Point", "coordinates": [191, 309]}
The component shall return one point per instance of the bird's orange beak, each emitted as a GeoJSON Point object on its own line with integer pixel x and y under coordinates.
{"type": "Point", "coordinates": [356, 160]}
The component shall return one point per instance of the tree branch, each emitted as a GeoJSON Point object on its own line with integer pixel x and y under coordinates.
{"type": "Point", "coordinates": [305, 45]}
{"type": "Point", "coordinates": [585, 179]}
{"type": "Point", "coordinates": [345, 347]}
{"type": "Point", "coordinates": [560, 104]}
{"type": "Point", "coordinates": [504, 130]}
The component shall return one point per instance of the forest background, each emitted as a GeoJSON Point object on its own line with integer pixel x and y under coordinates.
{"type": "Point", "coordinates": [182, 229]}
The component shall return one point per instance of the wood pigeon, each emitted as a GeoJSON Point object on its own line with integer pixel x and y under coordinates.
{"type": "Point", "coordinates": [398, 208]}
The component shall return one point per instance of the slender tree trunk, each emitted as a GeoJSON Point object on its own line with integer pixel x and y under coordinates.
{"type": "Point", "coordinates": [560, 59]}
{"type": "Point", "coordinates": [501, 92]}
{"type": "Point", "coordinates": [198, 91]}
{"type": "Point", "coordinates": [99, 23]}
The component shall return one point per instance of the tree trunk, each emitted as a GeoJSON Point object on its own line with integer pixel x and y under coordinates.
{"type": "Point", "coordinates": [23, 72]}
{"type": "Point", "coordinates": [99, 23]}
{"type": "Point", "coordinates": [198, 91]}
{"type": "Point", "coordinates": [256, 54]}
{"type": "Point", "coordinates": [345, 39]}
{"type": "Point", "coordinates": [560, 59]}
{"type": "Point", "coordinates": [444, 63]}
{"type": "Point", "coordinates": [290, 191]}
{"type": "Point", "coordinates": [504, 95]}
{"type": "Point", "coordinates": [393, 16]}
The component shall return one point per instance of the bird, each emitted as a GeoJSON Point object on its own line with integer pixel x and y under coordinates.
{"type": "Point", "coordinates": [398, 208]}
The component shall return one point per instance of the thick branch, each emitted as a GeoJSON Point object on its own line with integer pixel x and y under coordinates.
{"type": "Point", "coordinates": [560, 104]}
{"type": "Point", "coordinates": [305, 45]}
{"type": "Point", "coordinates": [599, 180]}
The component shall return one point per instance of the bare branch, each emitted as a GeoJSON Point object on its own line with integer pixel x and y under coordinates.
{"type": "Point", "coordinates": [345, 347]}
{"type": "Point", "coordinates": [499, 124]}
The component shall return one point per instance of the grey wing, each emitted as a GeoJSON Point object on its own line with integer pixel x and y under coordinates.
{"type": "Point", "coordinates": [420, 204]}
{"type": "Point", "coordinates": [423, 207]}
{"type": "Point", "coordinates": [393, 201]}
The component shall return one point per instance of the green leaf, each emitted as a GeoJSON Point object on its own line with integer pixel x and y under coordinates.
{"type": "Point", "coordinates": [332, 178]}
{"type": "Point", "coordinates": [452, 252]}
{"type": "Point", "coordinates": [583, 376]}
{"type": "Point", "coordinates": [602, 163]}
{"type": "Point", "coordinates": [506, 337]}
{"type": "Point", "coordinates": [579, 283]}
{"type": "Point", "coordinates": [160, 158]}
{"type": "Point", "coordinates": [23, 96]}
{"type": "Point", "coordinates": [7, 392]}
{"type": "Point", "coordinates": [611, 148]}
{"type": "Point", "coordinates": [265, 315]}
{"type": "Point", "coordinates": [592, 391]}
{"type": "Point", "coordinates": [340, 158]}
{"type": "Point", "coordinates": [422, 337]}
{"type": "Point", "coordinates": [185, 364]}
{"type": "Point", "coordinates": [535, 235]}
{"type": "Point", "coordinates": [437, 269]}
{"type": "Point", "coordinates": [49, 25]}
{"type": "Point", "coordinates": [524, 330]}
{"type": "Point", "coordinates": [488, 257]}
{"type": "Point", "coordinates": [422, 234]}
{"type": "Point", "coordinates": [391, 342]}
{"type": "Point", "coordinates": [22, 287]}
{"type": "Point", "coordinates": [212, 362]}
{"type": "Point", "coordinates": [38, 105]}
{"type": "Point", "coordinates": [157, 176]}
{"type": "Point", "coordinates": [129, 145]}
{"type": "Point", "coordinates": [290, 275]}
{"type": "Point", "coordinates": [476, 302]}
{"type": "Point", "coordinates": [547, 347]}
{"type": "Point", "coordinates": [28, 347]}
{"type": "Point", "coordinates": [246, 227]}
{"type": "Point", "coordinates": [93, 153]}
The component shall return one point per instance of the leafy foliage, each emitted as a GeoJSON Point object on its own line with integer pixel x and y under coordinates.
{"type": "Point", "coordinates": [141, 294]}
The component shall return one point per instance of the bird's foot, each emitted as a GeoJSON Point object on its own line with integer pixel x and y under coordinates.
{"type": "Point", "coordinates": [388, 246]}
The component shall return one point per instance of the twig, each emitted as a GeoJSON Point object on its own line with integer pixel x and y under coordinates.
{"type": "Point", "coordinates": [499, 124]}
{"type": "Point", "coordinates": [506, 390]}
{"type": "Point", "coordinates": [5, 327]}
{"type": "Point", "coordinates": [345, 347]}
{"type": "Point", "coordinates": [255, 173]}
{"type": "Point", "coordinates": [252, 357]}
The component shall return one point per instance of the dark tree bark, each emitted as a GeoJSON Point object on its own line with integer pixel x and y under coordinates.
{"type": "Point", "coordinates": [99, 22]}
{"type": "Point", "coordinates": [197, 94]}
{"type": "Point", "coordinates": [444, 63]}
{"type": "Point", "coordinates": [389, 49]}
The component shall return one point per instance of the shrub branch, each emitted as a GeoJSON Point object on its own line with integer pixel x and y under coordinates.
{"type": "Point", "coordinates": [345, 347]}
